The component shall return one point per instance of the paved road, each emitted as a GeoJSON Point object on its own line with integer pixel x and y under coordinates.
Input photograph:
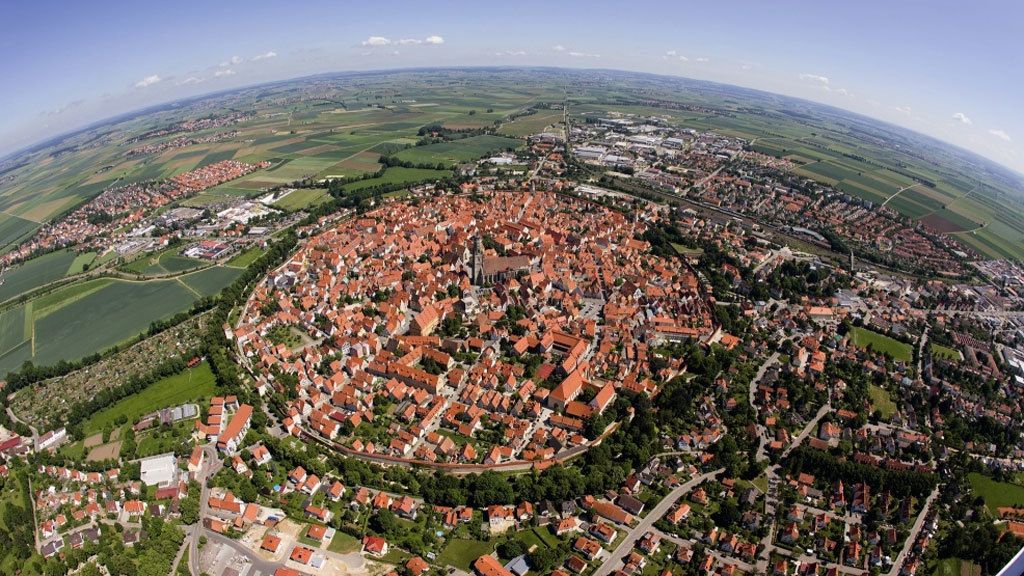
{"type": "Point", "coordinates": [645, 524]}
{"type": "Point", "coordinates": [14, 417]}
{"type": "Point", "coordinates": [265, 566]}
{"type": "Point", "coordinates": [762, 434]}
{"type": "Point", "coordinates": [809, 429]}
{"type": "Point", "coordinates": [211, 466]}
{"type": "Point", "coordinates": [914, 531]}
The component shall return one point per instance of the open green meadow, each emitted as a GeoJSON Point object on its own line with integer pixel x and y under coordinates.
{"type": "Point", "coordinates": [81, 263]}
{"type": "Point", "coordinates": [209, 281]}
{"type": "Point", "coordinates": [244, 259]}
{"type": "Point", "coordinates": [192, 385]}
{"type": "Point", "coordinates": [862, 338]}
{"type": "Point", "coordinates": [881, 401]}
{"type": "Point", "coordinates": [540, 121]}
{"type": "Point", "coordinates": [946, 353]}
{"type": "Point", "coordinates": [462, 553]}
{"type": "Point", "coordinates": [996, 494]}
{"type": "Point", "coordinates": [956, 567]}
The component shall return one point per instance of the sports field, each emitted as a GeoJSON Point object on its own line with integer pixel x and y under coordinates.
{"type": "Point", "coordinates": [193, 384]}
{"type": "Point", "coordinates": [165, 262]}
{"type": "Point", "coordinates": [862, 338]}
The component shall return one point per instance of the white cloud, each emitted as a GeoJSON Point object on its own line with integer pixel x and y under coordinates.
{"type": "Point", "coordinates": [384, 41]}
{"type": "Point", "coordinates": [904, 109]}
{"type": "Point", "coordinates": [673, 55]}
{"type": "Point", "coordinates": [583, 55]}
{"type": "Point", "coordinates": [962, 118]}
{"type": "Point", "coordinates": [558, 48]}
{"type": "Point", "coordinates": [700, 59]}
{"type": "Point", "coordinates": [999, 134]}
{"type": "Point", "coordinates": [511, 53]}
{"type": "Point", "coordinates": [189, 80]}
{"type": "Point", "coordinates": [220, 73]}
{"type": "Point", "coordinates": [265, 56]}
{"type": "Point", "coordinates": [823, 80]}
{"type": "Point", "coordinates": [147, 81]}
{"type": "Point", "coordinates": [231, 61]}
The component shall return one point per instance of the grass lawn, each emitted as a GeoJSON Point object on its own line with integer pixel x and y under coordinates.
{"type": "Point", "coordinates": [881, 401]}
{"type": "Point", "coordinates": [761, 483]}
{"type": "Point", "coordinates": [159, 440]}
{"type": "Point", "coordinates": [955, 567]}
{"type": "Point", "coordinates": [81, 262]}
{"type": "Point", "coordinates": [940, 351]}
{"type": "Point", "coordinates": [246, 258]}
{"type": "Point", "coordinates": [862, 337]}
{"type": "Point", "coordinates": [344, 543]}
{"type": "Point", "coordinates": [996, 494]}
{"type": "Point", "coordinates": [462, 553]}
{"type": "Point", "coordinates": [192, 384]}
{"type": "Point", "coordinates": [684, 251]}
{"type": "Point", "coordinates": [537, 536]}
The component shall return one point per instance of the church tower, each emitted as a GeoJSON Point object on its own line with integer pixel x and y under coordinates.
{"type": "Point", "coordinates": [476, 262]}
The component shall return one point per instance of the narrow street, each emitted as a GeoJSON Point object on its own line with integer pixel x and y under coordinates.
{"type": "Point", "coordinates": [629, 540]}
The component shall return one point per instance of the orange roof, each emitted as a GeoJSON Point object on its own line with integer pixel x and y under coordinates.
{"type": "Point", "coordinates": [270, 542]}
{"type": "Point", "coordinates": [238, 421]}
{"type": "Point", "coordinates": [301, 554]}
{"type": "Point", "coordinates": [486, 565]}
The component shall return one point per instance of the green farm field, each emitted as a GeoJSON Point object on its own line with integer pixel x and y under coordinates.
{"type": "Point", "coordinates": [339, 126]}
{"type": "Point", "coordinates": [89, 317]}
{"type": "Point", "coordinates": [534, 123]}
{"type": "Point", "coordinates": [463, 150]}
{"type": "Point", "coordinates": [35, 273]}
{"type": "Point", "coordinates": [399, 175]}
{"type": "Point", "coordinates": [301, 198]}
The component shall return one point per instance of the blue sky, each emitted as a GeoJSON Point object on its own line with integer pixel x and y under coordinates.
{"type": "Point", "coordinates": [949, 69]}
